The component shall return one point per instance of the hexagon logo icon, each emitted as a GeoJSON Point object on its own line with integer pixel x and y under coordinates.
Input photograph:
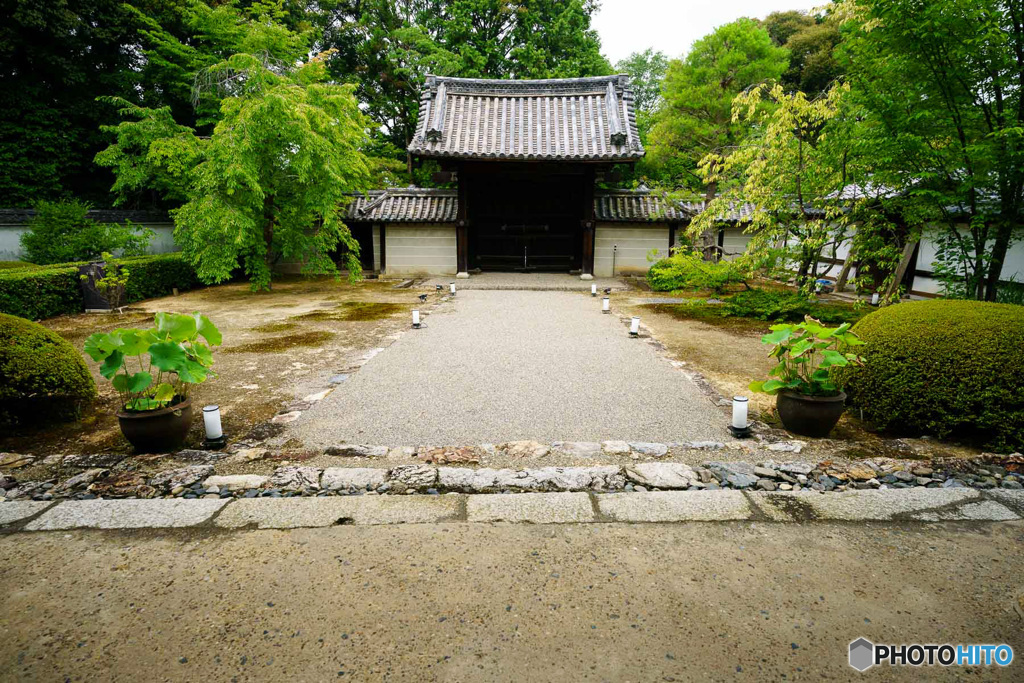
{"type": "Point", "coordinates": [862, 654]}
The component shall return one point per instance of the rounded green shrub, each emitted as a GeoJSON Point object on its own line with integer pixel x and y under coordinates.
{"type": "Point", "coordinates": [952, 369]}
{"type": "Point", "coordinates": [42, 376]}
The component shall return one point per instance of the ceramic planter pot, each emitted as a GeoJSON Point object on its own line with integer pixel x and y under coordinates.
{"type": "Point", "coordinates": [809, 415]}
{"type": "Point", "coordinates": [157, 431]}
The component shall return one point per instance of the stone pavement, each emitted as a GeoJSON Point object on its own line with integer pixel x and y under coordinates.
{"type": "Point", "coordinates": [559, 282]}
{"type": "Point", "coordinates": [494, 366]}
{"type": "Point", "coordinates": [888, 505]}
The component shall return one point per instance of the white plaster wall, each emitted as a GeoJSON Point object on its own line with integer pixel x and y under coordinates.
{"type": "Point", "coordinates": [376, 248]}
{"type": "Point", "coordinates": [420, 249]}
{"type": "Point", "coordinates": [630, 244]}
{"type": "Point", "coordinates": [10, 240]}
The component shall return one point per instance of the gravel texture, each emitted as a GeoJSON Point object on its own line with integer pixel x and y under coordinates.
{"type": "Point", "coordinates": [497, 366]}
{"type": "Point", "coordinates": [722, 601]}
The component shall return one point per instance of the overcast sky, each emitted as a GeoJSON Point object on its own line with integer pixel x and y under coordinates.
{"type": "Point", "coordinates": [671, 26]}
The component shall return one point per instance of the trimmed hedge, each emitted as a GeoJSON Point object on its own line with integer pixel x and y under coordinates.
{"type": "Point", "coordinates": [44, 292]}
{"type": "Point", "coordinates": [42, 376]}
{"type": "Point", "coordinates": [947, 368]}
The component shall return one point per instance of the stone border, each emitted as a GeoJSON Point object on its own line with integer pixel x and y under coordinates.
{"type": "Point", "coordinates": [896, 506]}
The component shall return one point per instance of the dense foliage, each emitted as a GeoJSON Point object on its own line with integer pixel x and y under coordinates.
{"type": "Point", "coordinates": [42, 376]}
{"type": "Point", "coordinates": [686, 269]}
{"type": "Point", "coordinates": [952, 369]}
{"type": "Point", "coordinates": [784, 306]}
{"type": "Point", "coordinates": [61, 232]}
{"type": "Point", "coordinates": [43, 292]}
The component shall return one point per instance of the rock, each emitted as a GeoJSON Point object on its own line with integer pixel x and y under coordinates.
{"type": "Point", "coordinates": [766, 484]}
{"type": "Point", "coordinates": [742, 481]}
{"type": "Point", "coordinates": [923, 471]}
{"type": "Point", "coordinates": [724, 469]}
{"type": "Point", "coordinates": [577, 449]}
{"type": "Point", "coordinates": [787, 446]}
{"type": "Point", "coordinates": [524, 449]}
{"type": "Point", "coordinates": [285, 418]}
{"type": "Point", "coordinates": [296, 478]}
{"type": "Point", "coordinates": [251, 454]}
{"type": "Point", "coordinates": [183, 476]}
{"type": "Point", "coordinates": [345, 478]}
{"type": "Point", "coordinates": [13, 461]}
{"type": "Point", "coordinates": [7, 482]}
{"type": "Point", "coordinates": [785, 487]}
{"type": "Point", "coordinates": [234, 482]}
{"type": "Point", "coordinates": [662, 475]}
{"type": "Point", "coordinates": [25, 489]}
{"type": "Point", "coordinates": [486, 480]}
{"type": "Point", "coordinates": [654, 450]}
{"type": "Point", "coordinates": [443, 456]}
{"type": "Point", "coordinates": [198, 456]}
{"type": "Point", "coordinates": [53, 460]}
{"type": "Point", "coordinates": [81, 480]}
{"type": "Point", "coordinates": [402, 453]}
{"type": "Point", "coordinates": [704, 445]}
{"type": "Point", "coordinates": [1015, 485]}
{"type": "Point", "coordinates": [413, 476]}
{"type": "Point", "coordinates": [860, 473]}
{"type": "Point", "coordinates": [93, 460]}
{"type": "Point", "coordinates": [797, 468]}
{"type": "Point", "coordinates": [357, 450]}
{"type": "Point", "coordinates": [902, 475]}
{"type": "Point", "coordinates": [766, 472]}
{"type": "Point", "coordinates": [615, 447]}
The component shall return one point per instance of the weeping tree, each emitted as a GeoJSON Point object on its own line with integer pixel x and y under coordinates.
{"type": "Point", "coordinates": [271, 181]}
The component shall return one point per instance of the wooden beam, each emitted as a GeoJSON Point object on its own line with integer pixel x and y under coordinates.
{"type": "Point", "coordinates": [589, 225]}
{"type": "Point", "coordinates": [901, 269]}
{"type": "Point", "coordinates": [383, 248]}
{"type": "Point", "coordinates": [462, 226]}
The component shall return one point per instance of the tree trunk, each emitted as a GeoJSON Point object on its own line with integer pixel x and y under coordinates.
{"type": "Point", "coordinates": [708, 239]}
{"type": "Point", "coordinates": [1004, 231]}
{"type": "Point", "coordinates": [268, 236]}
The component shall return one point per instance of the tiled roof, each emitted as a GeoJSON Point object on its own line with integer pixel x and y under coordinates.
{"type": "Point", "coordinates": [405, 205]}
{"type": "Point", "coordinates": [636, 207]}
{"type": "Point", "coordinates": [577, 119]}
{"type": "Point", "coordinates": [17, 216]}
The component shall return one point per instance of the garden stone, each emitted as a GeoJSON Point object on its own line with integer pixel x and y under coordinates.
{"type": "Point", "coordinates": [860, 473]}
{"type": "Point", "coordinates": [234, 482]}
{"type": "Point", "coordinates": [444, 456]}
{"type": "Point", "coordinates": [577, 449]}
{"type": "Point", "coordinates": [662, 475]}
{"type": "Point", "coordinates": [93, 460]}
{"type": "Point", "coordinates": [785, 487]}
{"type": "Point", "coordinates": [524, 449]}
{"type": "Point", "coordinates": [766, 472]}
{"type": "Point", "coordinates": [402, 453]}
{"type": "Point", "coordinates": [1016, 485]}
{"type": "Point", "coordinates": [357, 450]}
{"type": "Point", "coordinates": [15, 460]}
{"type": "Point", "coordinates": [182, 476]}
{"type": "Point", "coordinates": [296, 478]}
{"type": "Point", "coordinates": [903, 475]}
{"type": "Point", "coordinates": [654, 450]}
{"type": "Point", "coordinates": [80, 480]}
{"type": "Point", "coordinates": [787, 446]}
{"type": "Point", "coordinates": [414, 476]}
{"type": "Point", "coordinates": [344, 478]}
{"type": "Point", "coordinates": [615, 447]}
{"type": "Point", "coordinates": [704, 445]}
{"type": "Point", "coordinates": [766, 484]}
{"type": "Point", "coordinates": [724, 469]}
{"type": "Point", "coordinates": [741, 481]}
{"type": "Point", "coordinates": [198, 456]}
{"type": "Point", "coordinates": [285, 418]}
{"type": "Point", "coordinates": [798, 468]}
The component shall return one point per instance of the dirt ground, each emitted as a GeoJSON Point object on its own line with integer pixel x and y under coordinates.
{"type": "Point", "coordinates": [278, 347]}
{"type": "Point", "coordinates": [482, 602]}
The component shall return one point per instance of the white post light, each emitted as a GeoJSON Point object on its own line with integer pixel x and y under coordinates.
{"type": "Point", "coordinates": [416, 319]}
{"type": "Point", "coordinates": [593, 290]}
{"type": "Point", "coordinates": [214, 432]}
{"type": "Point", "coordinates": [606, 305]}
{"type": "Point", "coordinates": [740, 427]}
{"type": "Point", "coordinates": [451, 286]}
{"type": "Point", "coordinates": [634, 327]}
{"type": "Point", "coordinates": [874, 299]}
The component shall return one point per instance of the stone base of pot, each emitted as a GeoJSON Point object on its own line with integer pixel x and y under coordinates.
{"type": "Point", "coordinates": [809, 415]}
{"type": "Point", "coordinates": [157, 431]}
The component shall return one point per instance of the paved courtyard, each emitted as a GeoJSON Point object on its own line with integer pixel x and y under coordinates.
{"type": "Point", "coordinates": [493, 366]}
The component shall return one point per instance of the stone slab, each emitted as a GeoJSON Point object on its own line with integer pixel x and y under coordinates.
{"type": "Point", "coordinates": [17, 510]}
{"type": "Point", "coordinates": [335, 478]}
{"type": "Point", "coordinates": [982, 511]}
{"type": "Point", "coordinates": [870, 505]}
{"type": "Point", "coordinates": [530, 508]}
{"type": "Point", "coordinates": [674, 506]}
{"type": "Point", "coordinates": [126, 514]}
{"type": "Point", "coordinates": [1012, 499]}
{"type": "Point", "coordinates": [292, 513]}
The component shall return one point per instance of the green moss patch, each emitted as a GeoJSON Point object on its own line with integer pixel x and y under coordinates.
{"type": "Point", "coordinates": [274, 327]}
{"type": "Point", "coordinates": [354, 311]}
{"type": "Point", "coordinates": [276, 344]}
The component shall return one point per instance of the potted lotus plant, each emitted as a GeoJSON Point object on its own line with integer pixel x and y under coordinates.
{"type": "Point", "coordinates": [153, 371]}
{"type": "Point", "coordinates": [807, 400]}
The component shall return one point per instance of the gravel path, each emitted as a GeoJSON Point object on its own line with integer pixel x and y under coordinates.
{"type": "Point", "coordinates": [495, 366]}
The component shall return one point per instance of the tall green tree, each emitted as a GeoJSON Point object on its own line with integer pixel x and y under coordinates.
{"type": "Point", "coordinates": [696, 117]}
{"type": "Point", "coordinates": [811, 41]}
{"type": "Point", "coordinates": [646, 72]}
{"type": "Point", "coordinates": [942, 86]}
